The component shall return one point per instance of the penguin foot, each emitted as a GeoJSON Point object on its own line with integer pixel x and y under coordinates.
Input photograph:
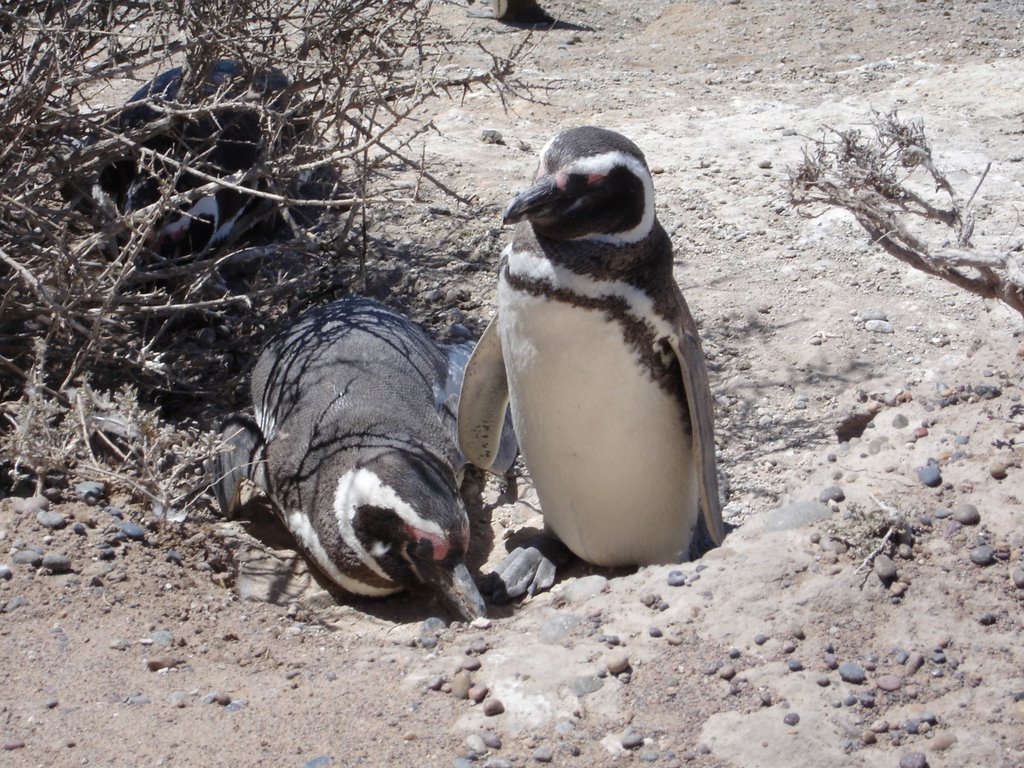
{"type": "Point", "coordinates": [526, 570]}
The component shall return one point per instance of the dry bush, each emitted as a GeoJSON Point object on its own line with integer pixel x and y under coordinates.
{"type": "Point", "coordinates": [86, 306]}
{"type": "Point", "coordinates": [873, 177]}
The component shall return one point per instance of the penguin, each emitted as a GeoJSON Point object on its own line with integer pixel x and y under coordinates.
{"type": "Point", "coordinates": [517, 12]}
{"type": "Point", "coordinates": [594, 349]}
{"type": "Point", "coordinates": [354, 443]}
{"type": "Point", "coordinates": [218, 144]}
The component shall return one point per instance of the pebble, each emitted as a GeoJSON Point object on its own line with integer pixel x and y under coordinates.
{"type": "Point", "coordinates": [476, 743]}
{"type": "Point", "coordinates": [1018, 577]}
{"type": "Point", "coordinates": [987, 619]}
{"type": "Point", "coordinates": [557, 627]}
{"type": "Point", "coordinates": [491, 739]}
{"type": "Point", "coordinates": [831, 493]}
{"type": "Point", "coordinates": [497, 762]}
{"type": "Point", "coordinates": [885, 568]}
{"type": "Point", "coordinates": [27, 557]}
{"type": "Point", "coordinates": [493, 707]}
{"type": "Point", "coordinates": [133, 531]}
{"type": "Point", "coordinates": [173, 557]}
{"type": "Point", "coordinates": [760, 639]}
{"type": "Point", "coordinates": [471, 664]}
{"type": "Point", "coordinates": [878, 326]}
{"type": "Point", "coordinates": [889, 682]}
{"type": "Point", "coordinates": [57, 563]}
{"type": "Point", "coordinates": [983, 555]}
{"type": "Point", "coordinates": [914, 760]}
{"type": "Point", "coordinates": [89, 491]}
{"type": "Point", "coordinates": [318, 762]}
{"type": "Point", "coordinates": [617, 663]}
{"type": "Point", "coordinates": [477, 692]}
{"type": "Point", "coordinates": [32, 505]}
{"type": "Point", "coordinates": [873, 314]}
{"type": "Point", "coordinates": [676, 578]}
{"type": "Point", "coordinates": [929, 474]}
{"type": "Point", "coordinates": [542, 755]}
{"type": "Point", "coordinates": [900, 421]}
{"type": "Point", "coordinates": [9, 745]}
{"type": "Point", "coordinates": [52, 520]}
{"type": "Point", "coordinates": [791, 718]}
{"type": "Point", "coordinates": [656, 631]}
{"type": "Point", "coordinates": [461, 683]}
{"type": "Point", "coordinates": [6, 574]}
{"type": "Point", "coordinates": [967, 514]}
{"type": "Point", "coordinates": [942, 741]}
{"type": "Point", "coordinates": [631, 740]}
{"type": "Point", "coordinates": [156, 663]}
{"type": "Point", "coordinates": [823, 681]}
{"type": "Point", "coordinates": [852, 673]}
{"type": "Point", "coordinates": [998, 469]}
{"type": "Point", "coordinates": [915, 661]}
{"type": "Point", "coordinates": [727, 672]}
{"type": "Point", "coordinates": [79, 529]}
{"type": "Point", "coordinates": [585, 684]}
{"type": "Point", "coordinates": [584, 588]}
{"type": "Point", "coordinates": [795, 665]}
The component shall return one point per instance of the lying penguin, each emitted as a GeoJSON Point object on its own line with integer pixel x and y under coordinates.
{"type": "Point", "coordinates": [220, 143]}
{"type": "Point", "coordinates": [595, 350]}
{"type": "Point", "coordinates": [516, 12]}
{"type": "Point", "coordinates": [354, 443]}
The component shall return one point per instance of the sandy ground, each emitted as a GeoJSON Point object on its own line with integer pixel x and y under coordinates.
{"type": "Point", "coordinates": [153, 657]}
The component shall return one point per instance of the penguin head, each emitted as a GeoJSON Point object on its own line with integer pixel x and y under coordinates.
{"type": "Point", "coordinates": [402, 514]}
{"type": "Point", "coordinates": [592, 184]}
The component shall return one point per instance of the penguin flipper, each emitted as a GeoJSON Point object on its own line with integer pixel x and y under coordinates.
{"type": "Point", "coordinates": [242, 458]}
{"type": "Point", "coordinates": [698, 397]}
{"type": "Point", "coordinates": [526, 570]}
{"type": "Point", "coordinates": [483, 402]}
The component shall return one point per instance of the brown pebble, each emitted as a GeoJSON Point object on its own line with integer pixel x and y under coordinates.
{"type": "Point", "coordinates": [914, 662]}
{"type": "Point", "coordinates": [477, 693]}
{"type": "Point", "coordinates": [823, 681]}
{"type": "Point", "coordinates": [222, 698]}
{"type": "Point", "coordinates": [889, 682]}
{"type": "Point", "coordinates": [471, 663]}
{"type": "Point", "coordinates": [461, 683]}
{"type": "Point", "coordinates": [163, 662]}
{"type": "Point", "coordinates": [493, 707]}
{"type": "Point", "coordinates": [868, 737]}
{"type": "Point", "coordinates": [997, 469]}
{"type": "Point", "coordinates": [12, 744]}
{"type": "Point", "coordinates": [727, 672]}
{"type": "Point", "coordinates": [942, 741]}
{"type": "Point", "coordinates": [880, 726]}
{"type": "Point", "coordinates": [617, 663]}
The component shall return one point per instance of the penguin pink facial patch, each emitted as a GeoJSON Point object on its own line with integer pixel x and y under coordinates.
{"type": "Point", "coordinates": [439, 545]}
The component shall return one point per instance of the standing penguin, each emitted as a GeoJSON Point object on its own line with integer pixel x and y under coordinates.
{"type": "Point", "coordinates": [354, 443]}
{"type": "Point", "coordinates": [595, 350]}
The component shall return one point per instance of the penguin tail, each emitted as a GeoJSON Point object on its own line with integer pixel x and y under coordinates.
{"type": "Point", "coordinates": [241, 458]}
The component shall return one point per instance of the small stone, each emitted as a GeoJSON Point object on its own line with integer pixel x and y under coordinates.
{"type": "Point", "coordinates": [914, 662]}
{"type": "Point", "coordinates": [631, 740]}
{"type": "Point", "coordinates": [52, 520]}
{"type": "Point", "coordinates": [491, 739]}
{"type": "Point", "coordinates": [942, 741]}
{"type": "Point", "coordinates": [57, 563]}
{"type": "Point", "coordinates": [461, 683]}
{"type": "Point", "coordinates": [868, 737]}
{"type": "Point", "coordinates": [727, 672]}
{"type": "Point", "coordinates": [831, 493]}
{"type": "Point", "coordinates": [885, 568]}
{"type": "Point", "coordinates": [31, 506]}
{"type": "Point", "coordinates": [476, 743]}
{"type": "Point", "coordinates": [967, 514]}
{"type": "Point", "coordinates": [542, 755]}
{"type": "Point", "coordinates": [764, 164]}
{"type": "Point", "coordinates": [321, 761]}
{"type": "Point", "coordinates": [878, 326]}
{"type": "Point", "coordinates": [899, 421]}
{"type": "Point", "coordinates": [617, 663]}
{"type": "Point", "coordinates": [914, 760]}
{"type": "Point", "coordinates": [852, 673]}
{"type": "Point", "coordinates": [823, 681]}
{"type": "Point", "coordinates": [89, 491]}
{"type": "Point", "coordinates": [557, 627]}
{"type": "Point", "coordinates": [1018, 577]}
{"type": "Point", "coordinates": [6, 574]}
{"type": "Point", "coordinates": [983, 555]}
{"type": "Point", "coordinates": [173, 557]}
{"type": "Point", "coordinates": [987, 619]}
{"type": "Point", "coordinates": [583, 589]}
{"type": "Point", "coordinates": [9, 745]}
{"type": "Point", "coordinates": [477, 692]}
{"type": "Point", "coordinates": [156, 663]}
{"type": "Point", "coordinates": [889, 682]}
{"type": "Point", "coordinates": [491, 136]}
{"type": "Point", "coordinates": [760, 639]}
{"type": "Point", "coordinates": [435, 683]}
{"type": "Point", "coordinates": [929, 475]}
{"type": "Point", "coordinates": [585, 684]}
{"type": "Point", "coordinates": [79, 529]}
{"type": "Point", "coordinates": [880, 726]}
{"type": "Point", "coordinates": [133, 531]}
{"type": "Point", "coordinates": [795, 665]}
{"type": "Point", "coordinates": [791, 718]}
{"type": "Point", "coordinates": [471, 664]}
{"type": "Point", "coordinates": [676, 578]}
{"type": "Point", "coordinates": [652, 631]}
{"type": "Point", "coordinates": [998, 469]}
{"type": "Point", "coordinates": [493, 707]}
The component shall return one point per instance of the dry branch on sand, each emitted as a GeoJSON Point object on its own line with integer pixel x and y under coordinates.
{"type": "Point", "coordinates": [870, 177]}
{"type": "Point", "coordinates": [79, 275]}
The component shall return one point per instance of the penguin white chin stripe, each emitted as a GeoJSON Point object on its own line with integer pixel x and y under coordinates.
{"type": "Point", "coordinates": [361, 487]}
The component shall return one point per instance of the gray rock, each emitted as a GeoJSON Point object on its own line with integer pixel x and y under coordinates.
{"type": "Point", "coordinates": [832, 493]}
{"type": "Point", "coordinates": [929, 474]}
{"type": "Point", "coordinates": [52, 520]}
{"type": "Point", "coordinates": [27, 557]}
{"type": "Point", "coordinates": [318, 762]}
{"type": "Point", "coordinates": [57, 563]}
{"type": "Point", "coordinates": [852, 673]}
{"type": "Point", "coordinates": [878, 326]}
{"type": "Point", "coordinates": [542, 755]}
{"type": "Point", "coordinates": [1018, 577]}
{"type": "Point", "coordinates": [967, 514]}
{"type": "Point", "coordinates": [558, 627]}
{"type": "Point", "coordinates": [585, 684]}
{"type": "Point", "coordinates": [581, 590]}
{"type": "Point", "coordinates": [133, 531]}
{"type": "Point", "coordinates": [90, 491]}
{"type": "Point", "coordinates": [983, 555]}
{"type": "Point", "coordinates": [900, 421]}
{"type": "Point", "coordinates": [885, 568]}
{"type": "Point", "coordinates": [791, 718]}
{"type": "Point", "coordinates": [631, 740]}
{"type": "Point", "coordinates": [31, 505]}
{"type": "Point", "coordinates": [914, 760]}
{"type": "Point", "coordinates": [6, 574]}
{"type": "Point", "coordinates": [676, 578]}
{"type": "Point", "coordinates": [476, 743]}
{"type": "Point", "coordinates": [873, 314]}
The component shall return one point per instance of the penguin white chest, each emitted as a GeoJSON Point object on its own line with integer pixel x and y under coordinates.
{"type": "Point", "coordinates": [609, 450]}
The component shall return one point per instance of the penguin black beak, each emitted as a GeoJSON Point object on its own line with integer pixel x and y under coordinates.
{"type": "Point", "coordinates": [453, 581]}
{"type": "Point", "coordinates": [541, 201]}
